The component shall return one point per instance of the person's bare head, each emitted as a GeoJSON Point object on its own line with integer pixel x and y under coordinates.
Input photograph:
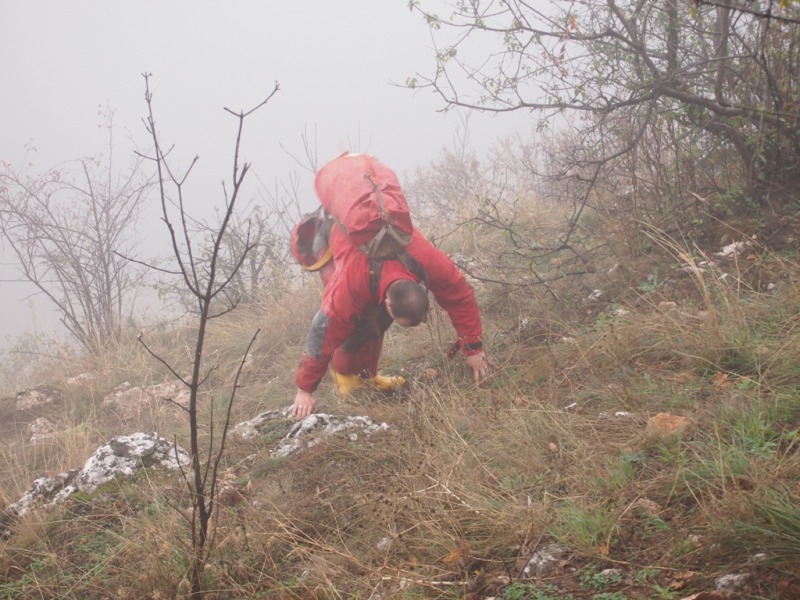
{"type": "Point", "coordinates": [407, 302]}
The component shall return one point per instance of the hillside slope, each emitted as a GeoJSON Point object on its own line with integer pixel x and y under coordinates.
{"type": "Point", "coordinates": [552, 481]}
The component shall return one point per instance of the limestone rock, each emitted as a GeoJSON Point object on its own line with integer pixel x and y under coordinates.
{"type": "Point", "coordinates": [41, 430]}
{"type": "Point", "coordinates": [309, 431]}
{"type": "Point", "coordinates": [733, 582]}
{"type": "Point", "coordinates": [248, 430]}
{"type": "Point", "coordinates": [122, 455]}
{"type": "Point", "coordinates": [37, 397]}
{"type": "Point", "coordinates": [545, 561]}
{"type": "Point", "coordinates": [314, 428]}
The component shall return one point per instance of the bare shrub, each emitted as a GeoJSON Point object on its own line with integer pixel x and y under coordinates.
{"type": "Point", "coordinates": [710, 79]}
{"type": "Point", "coordinates": [208, 285]}
{"type": "Point", "coordinates": [70, 229]}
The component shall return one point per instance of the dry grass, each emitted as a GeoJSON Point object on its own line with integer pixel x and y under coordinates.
{"type": "Point", "coordinates": [469, 481]}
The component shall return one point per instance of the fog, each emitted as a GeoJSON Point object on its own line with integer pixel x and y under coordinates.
{"type": "Point", "coordinates": [340, 66]}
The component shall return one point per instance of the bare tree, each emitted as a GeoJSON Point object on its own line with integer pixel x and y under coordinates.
{"type": "Point", "coordinates": [69, 229]}
{"type": "Point", "coordinates": [266, 223]}
{"type": "Point", "coordinates": [724, 73]}
{"type": "Point", "coordinates": [269, 222]}
{"type": "Point", "coordinates": [209, 285]}
{"type": "Point", "coordinates": [261, 226]}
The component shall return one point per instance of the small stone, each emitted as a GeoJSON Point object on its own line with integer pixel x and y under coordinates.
{"type": "Point", "coordinates": [430, 374]}
{"type": "Point", "coordinates": [734, 249]}
{"type": "Point", "coordinates": [733, 582]}
{"type": "Point", "coordinates": [705, 316]}
{"type": "Point", "coordinates": [229, 496]}
{"type": "Point", "coordinates": [384, 545]}
{"type": "Point", "coordinates": [41, 430]}
{"type": "Point", "coordinates": [612, 573]}
{"type": "Point", "coordinates": [664, 425]}
{"type": "Point", "coordinates": [41, 395]}
{"type": "Point", "coordinates": [696, 539]}
{"type": "Point", "coordinates": [545, 561]}
{"type": "Point", "coordinates": [521, 402]}
{"type": "Point", "coordinates": [647, 507]}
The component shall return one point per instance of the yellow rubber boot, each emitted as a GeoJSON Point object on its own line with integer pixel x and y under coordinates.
{"type": "Point", "coordinates": [347, 383]}
{"type": "Point", "coordinates": [386, 383]}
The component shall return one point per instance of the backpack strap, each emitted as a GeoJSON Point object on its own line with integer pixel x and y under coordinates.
{"type": "Point", "coordinates": [412, 264]}
{"type": "Point", "coordinates": [375, 267]}
{"type": "Point", "coordinates": [323, 260]}
{"type": "Point", "coordinates": [408, 261]}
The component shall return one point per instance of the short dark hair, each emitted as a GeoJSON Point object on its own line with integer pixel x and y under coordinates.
{"type": "Point", "coordinates": [409, 301]}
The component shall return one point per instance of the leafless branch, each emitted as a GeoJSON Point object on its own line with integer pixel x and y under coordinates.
{"type": "Point", "coordinates": [206, 283]}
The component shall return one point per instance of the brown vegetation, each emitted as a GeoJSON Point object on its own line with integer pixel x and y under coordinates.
{"type": "Point", "coordinates": [469, 482]}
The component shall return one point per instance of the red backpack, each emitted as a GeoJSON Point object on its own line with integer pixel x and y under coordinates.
{"type": "Point", "coordinates": [365, 198]}
{"type": "Point", "coordinates": [367, 202]}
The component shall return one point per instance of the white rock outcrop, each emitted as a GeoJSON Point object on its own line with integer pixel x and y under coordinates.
{"type": "Point", "coordinates": [314, 428]}
{"type": "Point", "coordinates": [121, 455]}
{"type": "Point", "coordinates": [34, 398]}
{"type": "Point", "coordinates": [248, 430]}
{"type": "Point", "coordinates": [310, 431]}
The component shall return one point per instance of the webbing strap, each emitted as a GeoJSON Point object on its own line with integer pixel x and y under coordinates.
{"type": "Point", "coordinates": [409, 262]}
{"type": "Point", "coordinates": [324, 260]}
{"type": "Point", "coordinates": [381, 207]}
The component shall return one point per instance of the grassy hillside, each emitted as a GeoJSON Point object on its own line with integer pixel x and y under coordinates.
{"type": "Point", "coordinates": [469, 482]}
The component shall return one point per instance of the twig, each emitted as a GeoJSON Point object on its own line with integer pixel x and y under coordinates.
{"type": "Point", "coordinates": [161, 360]}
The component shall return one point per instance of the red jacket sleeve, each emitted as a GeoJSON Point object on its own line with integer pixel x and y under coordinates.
{"type": "Point", "coordinates": [451, 291]}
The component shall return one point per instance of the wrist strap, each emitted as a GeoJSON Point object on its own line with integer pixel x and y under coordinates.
{"type": "Point", "coordinates": [466, 347]}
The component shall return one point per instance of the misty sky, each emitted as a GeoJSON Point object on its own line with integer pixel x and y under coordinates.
{"type": "Point", "coordinates": [335, 61]}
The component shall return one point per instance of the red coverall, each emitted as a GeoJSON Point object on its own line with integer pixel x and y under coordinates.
{"type": "Point", "coordinates": [347, 332]}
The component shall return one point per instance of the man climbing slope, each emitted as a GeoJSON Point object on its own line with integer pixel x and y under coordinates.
{"type": "Point", "coordinates": [373, 285]}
